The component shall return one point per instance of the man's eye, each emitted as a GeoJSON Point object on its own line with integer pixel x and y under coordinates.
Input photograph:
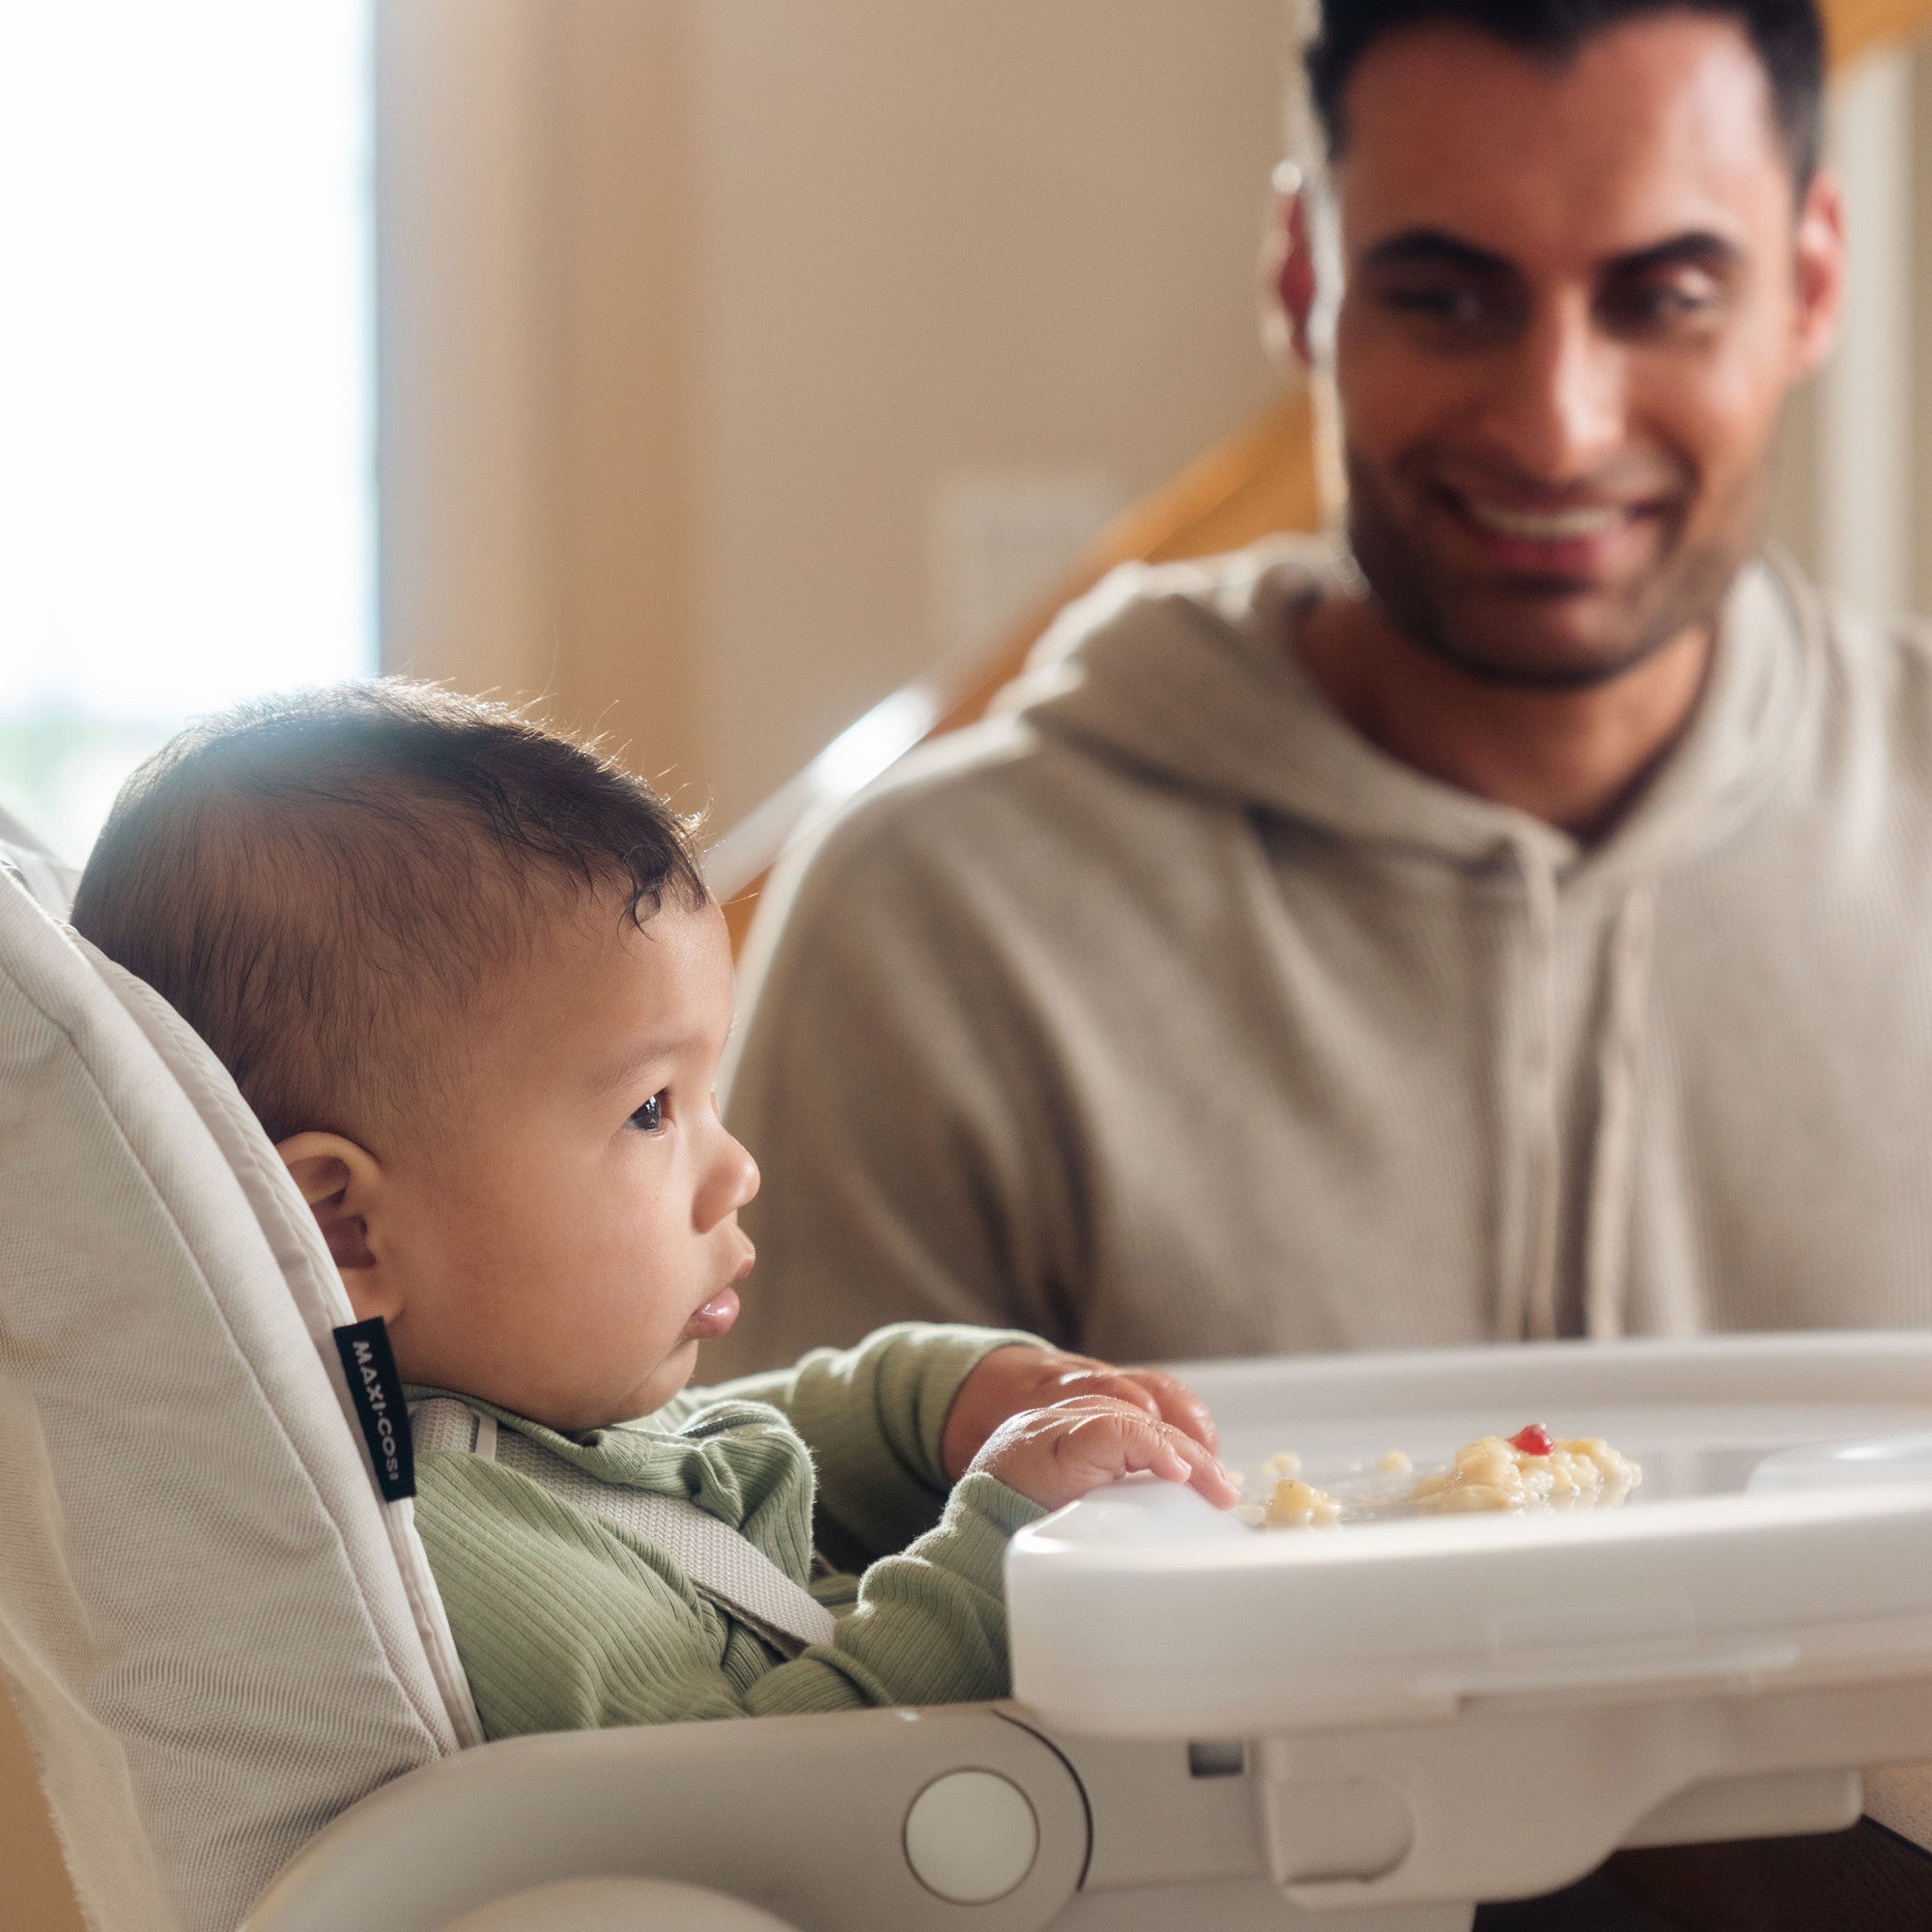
{"type": "Point", "coordinates": [1432, 301]}
{"type": "Point", "coordinates": [1662, 305]}
{"type": "Point", "coordinates": [1443, 304]}
{"type": "Point", "coordinates": [650, 1116]}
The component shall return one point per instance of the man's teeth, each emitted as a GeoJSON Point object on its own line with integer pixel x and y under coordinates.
{"type": "Point", "coordinates": [1548, 525]}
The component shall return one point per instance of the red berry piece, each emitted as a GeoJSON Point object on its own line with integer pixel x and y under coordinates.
{"type": "Point", "coordinates": [1533, 1440]}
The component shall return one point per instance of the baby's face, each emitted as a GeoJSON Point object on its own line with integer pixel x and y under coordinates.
{"type": "Point", "coordinates": [566, 1238]}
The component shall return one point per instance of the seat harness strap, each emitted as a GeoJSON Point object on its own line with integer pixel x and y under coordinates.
{"type": "Point", "coordinates": [724, 1567]}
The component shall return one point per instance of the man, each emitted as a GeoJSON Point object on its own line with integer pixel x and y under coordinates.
{"type": "Point", "coordinates": [1531, 935]}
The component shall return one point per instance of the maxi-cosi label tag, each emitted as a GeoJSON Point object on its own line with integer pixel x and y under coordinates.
{"type": "Point", "coordinates": [376, 1389]}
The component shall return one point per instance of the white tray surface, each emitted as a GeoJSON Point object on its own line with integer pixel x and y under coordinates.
{"type": "Point", "coordinates": [1777, 1534]}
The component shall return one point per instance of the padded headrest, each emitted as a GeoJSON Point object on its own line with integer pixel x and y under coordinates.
{"type": "Point", "coordinates": [217, 1635]}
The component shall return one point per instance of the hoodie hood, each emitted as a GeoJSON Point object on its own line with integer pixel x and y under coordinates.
{"type": "Point", "coordinates": [1186, 672]}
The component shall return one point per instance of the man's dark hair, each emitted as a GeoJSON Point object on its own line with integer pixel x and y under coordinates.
{"type": "Point", "coordinates": [1786, 35]}
{"type": "Point", "coordinates": [325, 885]}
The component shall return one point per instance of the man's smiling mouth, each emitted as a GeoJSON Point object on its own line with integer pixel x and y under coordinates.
{"type": "Point", "coordinates": [1548, 526]}
{"type": "Point", "coordinates": [1577, 543]}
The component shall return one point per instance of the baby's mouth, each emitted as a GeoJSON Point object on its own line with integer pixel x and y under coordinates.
{"type": "Point", "coordinates": [716, 1317]}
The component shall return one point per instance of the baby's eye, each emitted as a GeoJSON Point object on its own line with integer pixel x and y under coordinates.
{"type": "Point", "coordinates": [650, 1116]}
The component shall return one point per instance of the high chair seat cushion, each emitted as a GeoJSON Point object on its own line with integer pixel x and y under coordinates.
{"type": "Point", "coordinates": [217, 1635]}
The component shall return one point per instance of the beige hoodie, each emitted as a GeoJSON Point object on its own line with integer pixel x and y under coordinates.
{"type": "Point", "coordinates": [1165, 1016]}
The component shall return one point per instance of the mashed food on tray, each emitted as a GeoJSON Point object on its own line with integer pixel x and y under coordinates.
{"type": "Point", "coordinates": [1293, 1504]}
{"type": "Point", "coordinates": [1505, 1474]}
{"type": "Point", "coordinates": [1526, 1470]}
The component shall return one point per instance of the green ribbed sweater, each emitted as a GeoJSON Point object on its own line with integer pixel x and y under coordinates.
{"type": "Point", "coordinates": [565, 1621]}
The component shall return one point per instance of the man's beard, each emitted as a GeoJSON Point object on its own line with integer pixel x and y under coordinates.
{"type": "Point", "coordinates": [1687, 590]}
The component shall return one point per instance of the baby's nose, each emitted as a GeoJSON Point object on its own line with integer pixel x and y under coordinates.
{"type": "Point", "coordinates": [749, 1176]}
{"type": "Point", "coordinates": [733, 1181]}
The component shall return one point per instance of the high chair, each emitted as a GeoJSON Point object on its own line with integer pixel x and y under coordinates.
{"type": "Point", "coordinates": [230, 1656]}
{"type": "Point", "coordinates": [235, 1669]}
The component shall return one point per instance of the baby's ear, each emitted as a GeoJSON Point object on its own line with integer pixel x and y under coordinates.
{"type": "Point", "coordinates": [342, 1182]}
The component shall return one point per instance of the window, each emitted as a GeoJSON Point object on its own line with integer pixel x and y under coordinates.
{"type": "Point", "coordinates": [186, 434]}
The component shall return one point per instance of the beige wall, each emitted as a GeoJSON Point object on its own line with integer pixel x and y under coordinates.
{"type": "Point", "coordinates": [695, 313]}
{"type": "Point", "coordinates": [533, 197]}
{"type": "Point", "coordinates": [946, 240]}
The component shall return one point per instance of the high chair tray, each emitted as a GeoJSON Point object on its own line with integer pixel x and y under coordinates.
{"type": "Point", "coordinates": [1780, 1539]}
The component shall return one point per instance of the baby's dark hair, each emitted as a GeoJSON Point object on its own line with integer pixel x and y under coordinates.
{"type": "Point", "coordinates": [324, 884]}
{"type": "Point", "coordinates": [1787, 36]}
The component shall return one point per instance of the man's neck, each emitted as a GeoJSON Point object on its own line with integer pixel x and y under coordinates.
{"type": "Point", "coordinates": [1573, 758]}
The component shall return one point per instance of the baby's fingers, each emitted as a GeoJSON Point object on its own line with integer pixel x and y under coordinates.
{"type": "Point", "coordinates": [1201, 1472]}
{"type": "Point", "coordinates": [1152, 1391]}
{"type": "Point", "coordinates": [1179, 1405]}
{"type": "Point", "coordinates": [1057, 1454]}
{"type": "Point", "coordinates": [1160, 1449]}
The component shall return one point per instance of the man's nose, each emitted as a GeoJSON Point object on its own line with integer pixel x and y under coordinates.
{"type": "Point", "coordinates": [1558, 407]}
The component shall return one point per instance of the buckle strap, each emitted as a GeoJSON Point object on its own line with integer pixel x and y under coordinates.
{"type": "Point", "coordinates": [724, 1566]}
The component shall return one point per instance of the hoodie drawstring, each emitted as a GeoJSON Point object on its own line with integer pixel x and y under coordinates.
{"type": "Point", "coordinates": [1534, 1227]}
{"type": "Point", "coordinates": [1538, 1175]}
{"type": "Point", "coordinates": [1619, 1061]}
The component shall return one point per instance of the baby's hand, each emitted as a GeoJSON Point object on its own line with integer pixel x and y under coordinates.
{"type": "Point", "coordinates": [1008, 1382]}
{"type": "Point", "coordinates": [1054, 1455]}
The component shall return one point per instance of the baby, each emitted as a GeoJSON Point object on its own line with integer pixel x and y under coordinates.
{"type": "Point", "coordinates": [468, 975]}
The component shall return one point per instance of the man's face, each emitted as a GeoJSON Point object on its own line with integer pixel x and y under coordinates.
{"type": "Point", "coordinates": [1576, 298]}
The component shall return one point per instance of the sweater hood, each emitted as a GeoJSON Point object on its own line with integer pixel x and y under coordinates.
{"type": "Point", "coordinates": [1184, 672]}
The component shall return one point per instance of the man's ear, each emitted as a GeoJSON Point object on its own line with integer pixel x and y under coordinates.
{"type": "Point", "coordinates": [343, 1185]}
{"type": "Point", "coordinates": [1288, 268]}
{"type": "Point", "coordinates": [1818, 271]}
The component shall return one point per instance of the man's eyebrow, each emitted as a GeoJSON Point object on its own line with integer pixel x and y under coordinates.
{"type": "Point", "coordinates": [1431, 247]}
{"type": "Point", "coordinates": [1695, 249]}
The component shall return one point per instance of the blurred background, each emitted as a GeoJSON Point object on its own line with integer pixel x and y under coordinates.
{"type": "Point", "coordinates": [704, 370]}
{"type": "Point", "coordinates": [701, 371]}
